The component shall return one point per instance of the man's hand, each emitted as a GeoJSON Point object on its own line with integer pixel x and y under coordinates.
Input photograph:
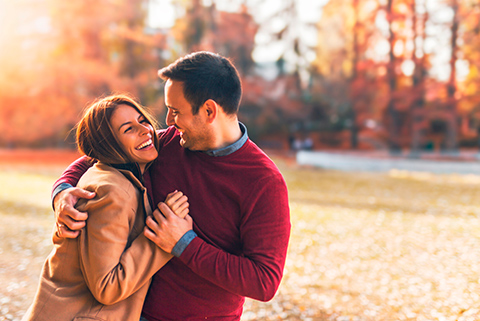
{"type": "Point", "coordinates": [165, 230]}
{"type": "Point", "coordinates": [68, 220]}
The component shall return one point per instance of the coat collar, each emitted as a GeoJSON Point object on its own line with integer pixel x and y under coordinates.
{"type": "Point", "coordinates": [131, 167]}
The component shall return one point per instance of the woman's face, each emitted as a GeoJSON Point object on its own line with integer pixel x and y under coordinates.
{"type": "Point", "coordinates": [135, 134]}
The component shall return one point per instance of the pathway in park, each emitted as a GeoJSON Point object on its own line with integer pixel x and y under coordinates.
{"type": "Point", "coordinates": [458, 163]}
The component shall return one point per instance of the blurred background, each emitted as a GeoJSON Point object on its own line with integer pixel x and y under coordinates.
{"type": "Point", "coordinates": [354, 87]}
{"type": "Point", "coordinates": [398, 76]}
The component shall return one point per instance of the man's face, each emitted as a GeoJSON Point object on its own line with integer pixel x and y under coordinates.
{"type": "Point", "coordinates": [194, 132]}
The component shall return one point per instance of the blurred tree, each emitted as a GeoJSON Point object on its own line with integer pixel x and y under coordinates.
{"type": "Point", "coordinates": [418, 118]}
{"type": "Point", "coordinates": [376, 74]}
{"type": "Point", "coordinates": [355, 77]}
{"type": "Point", "coordinates": [393, 115]}
{"type": "Point", "coordinates": [191, 26]}
{"type": "Point", "coordinates": [108, 40]}
{"type": "Point", "coordinates": [451, 142]}
{"type": "Point", "coordinates": [26, 44]}
{"type": "Point", "coordinates": [233, 35]}
{"type": "Point", "coordinates": [203, 27]}
{"type": "Point", "coordinates": [469, 90]}
{"type": "Point", "coordinates": [66, 55]}
{"type": "Point", "coordinates": [266, 105]}
{"type": "Point", "coordinates": [286, 30]}
{"type": "Point", "coordinates": [346, 33]}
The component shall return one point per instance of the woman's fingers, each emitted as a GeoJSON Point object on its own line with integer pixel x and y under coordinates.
{"type": "Point", "coordinates": [173, 197]}
{"type": "Point", "coordinates": [182, 210]}
{"type": "Point", "coordinates": [176, 201]}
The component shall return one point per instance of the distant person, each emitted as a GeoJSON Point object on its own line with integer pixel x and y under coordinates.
{"type": "Point", "coordinates": [297, 144]}
{"type": "Point", "coordinates": [291, 141]}
{"type": "Point", "coordinates": [105, 273]}
{"type": "Point", "coordinates": [308, 143]}
{"type": "Point", "coordinates": [238, 200]}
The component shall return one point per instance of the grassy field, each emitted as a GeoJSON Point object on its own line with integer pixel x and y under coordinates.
{"type": "Point", "coordinates": [364, 246]}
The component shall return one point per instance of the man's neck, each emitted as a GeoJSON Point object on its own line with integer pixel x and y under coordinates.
{"type": "Point", "coordinates": [228, 133]}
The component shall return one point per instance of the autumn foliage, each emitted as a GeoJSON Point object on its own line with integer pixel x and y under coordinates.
{"type": "Point", "coordinates": [396, 74]}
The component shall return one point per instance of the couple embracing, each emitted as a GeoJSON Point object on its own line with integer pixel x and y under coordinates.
{"type": "Point", "coordinates": [183, 223]}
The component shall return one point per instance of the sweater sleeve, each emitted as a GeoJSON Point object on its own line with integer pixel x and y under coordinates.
{"type": "Point", "coordinates": [112, 270]}
{"type": "Point", "coordinates": [71, 175]}
{"type": "Point", "coordinates": [265, 232]}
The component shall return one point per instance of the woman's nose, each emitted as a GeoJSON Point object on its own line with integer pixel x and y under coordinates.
{"type": "Point", "coordinates": [144, 129]}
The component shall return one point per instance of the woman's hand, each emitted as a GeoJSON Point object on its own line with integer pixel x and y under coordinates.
{"type": "Point", "coordinates": [178, 203]}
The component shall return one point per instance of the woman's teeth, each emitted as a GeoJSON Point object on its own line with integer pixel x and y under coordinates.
{"type": "Point", "coordinates": [147, 143]}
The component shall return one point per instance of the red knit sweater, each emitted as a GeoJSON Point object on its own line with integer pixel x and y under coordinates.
{"type": "Point", "coordinates": [239, 206]}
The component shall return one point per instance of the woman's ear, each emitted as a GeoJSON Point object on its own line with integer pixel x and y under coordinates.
{"type": "Point", "coordinates": [211, 110]}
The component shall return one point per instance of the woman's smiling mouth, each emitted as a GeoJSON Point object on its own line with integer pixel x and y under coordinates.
{"type": "Point", "coordinates": [145, 144]}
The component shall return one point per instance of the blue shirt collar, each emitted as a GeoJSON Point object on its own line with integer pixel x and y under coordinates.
{"type": "Point", "coordinates": [227, 150]}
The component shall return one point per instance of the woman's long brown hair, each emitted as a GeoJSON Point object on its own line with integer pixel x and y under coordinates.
{"type": "Point", "coordinates": [95, 135]}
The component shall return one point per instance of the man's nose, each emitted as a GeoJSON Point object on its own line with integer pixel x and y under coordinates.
{"type": "Point", "coordinates": [169, 119]}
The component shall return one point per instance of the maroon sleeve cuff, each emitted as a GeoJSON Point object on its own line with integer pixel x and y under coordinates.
{"type": "Point", "coordinates": [72, 174]}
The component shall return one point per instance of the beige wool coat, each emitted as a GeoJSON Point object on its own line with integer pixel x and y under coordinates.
{"type": "Point", "coordinates": [104, 274]}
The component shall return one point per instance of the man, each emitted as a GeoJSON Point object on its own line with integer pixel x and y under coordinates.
{"type": "Point", "coordinates": [238, 200]}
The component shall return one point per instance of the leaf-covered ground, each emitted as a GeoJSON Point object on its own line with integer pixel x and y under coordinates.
{"type": "Point", "coordinates": [392, 246]}
{"type": "Point", "coordinates": [364, 246]}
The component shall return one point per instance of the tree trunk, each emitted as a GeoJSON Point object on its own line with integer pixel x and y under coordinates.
{"type": "Point", "coordinates": [391, 113]}
{"type": "Point", "coordinates": [356, 58]}
{"type": "Point", "coordinates": [418, 84]}
{"type": "Point", "coordinates": [451, 141]}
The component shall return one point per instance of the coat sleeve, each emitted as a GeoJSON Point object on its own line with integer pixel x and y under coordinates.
{"type": "Point", "coordinates": [112, 270]}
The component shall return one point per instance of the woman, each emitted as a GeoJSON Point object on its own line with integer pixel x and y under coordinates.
{"type": "Point", "coordinates": [104, 274]}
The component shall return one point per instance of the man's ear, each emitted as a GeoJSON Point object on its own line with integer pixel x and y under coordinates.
{"type": "Point", "coordinates": [211, 109]}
